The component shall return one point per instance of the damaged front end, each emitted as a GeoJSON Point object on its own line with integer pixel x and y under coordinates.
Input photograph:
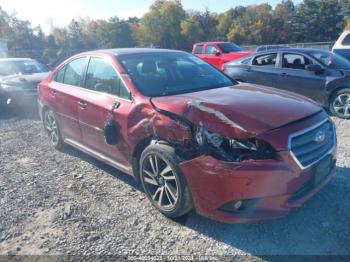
{"type": "Point", "coordinates": [231, 149]}
{"type": "Point", "coordinates": [238, 172]}
{"type": "Point", "coordinates": [201, 141]}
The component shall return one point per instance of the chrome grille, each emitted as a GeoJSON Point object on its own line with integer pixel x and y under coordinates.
{"type": "Point", "coordinates": [311, 145]}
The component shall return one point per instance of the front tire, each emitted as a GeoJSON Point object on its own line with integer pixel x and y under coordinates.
{"type": "Point", "coordinates": [163, 181]}
{"type": "Point", "coordinates": [340, 104]}
{"type": "Point", "coordinates": [52, 129]}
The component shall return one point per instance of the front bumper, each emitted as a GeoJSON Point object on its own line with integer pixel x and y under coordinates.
{"type": "Point", "coordinates": [272, 184]}
{"type": "Point", "coordinates": [275, 187]}
{"type": "Point", "coordinates": [25, 98]}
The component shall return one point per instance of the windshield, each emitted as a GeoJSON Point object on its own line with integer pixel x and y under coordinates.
{"type": "Point", "coordinates": [25, 67]}
{"type": "Point", "coordinates": [161, 74]}
{"type": "Point", "coordinates": [331, 60]}
{"type": "Point", "coordinates": [229, 47]}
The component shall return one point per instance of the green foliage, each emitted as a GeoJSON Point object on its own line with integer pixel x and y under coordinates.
{"type": "Point", "coordinates": [115, 33]}
{"type": "Point", "coordinates": [318, 20]}
{"type": "Point", "coordinates": [198, 27]}
{"type": "Point", "coordinates": [168, 25]}
{"type": "Point", "coordinates": [161, 26]}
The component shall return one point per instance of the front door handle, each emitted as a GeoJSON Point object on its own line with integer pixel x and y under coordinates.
{"type": "Point", "coordinates": [283, 74]}
{"type": "Point", "coordinates": [116, 105]}
{"type": "Point", "coordinates": [82, 104]}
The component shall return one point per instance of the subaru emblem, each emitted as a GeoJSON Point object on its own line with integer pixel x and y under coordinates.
{"type": "Point", "coordinates": [320, 137]}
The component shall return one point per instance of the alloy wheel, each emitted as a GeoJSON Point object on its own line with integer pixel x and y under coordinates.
{"type": "Point", "coordinates": [160, 182]}
{"type": "Point", "coordinates": [52, 128]}
{"type": "Point", "coordinates": [341, 105]}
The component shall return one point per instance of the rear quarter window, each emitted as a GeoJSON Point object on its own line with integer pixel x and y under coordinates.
{"type": "Point", "coordinates": [198, 49]}
{"type": "Point", "coordinates": [59, 75]}
{"type": "Point", "coordinates": [346, 40]}
{"type": "Point", "coordinates": [74, 72]}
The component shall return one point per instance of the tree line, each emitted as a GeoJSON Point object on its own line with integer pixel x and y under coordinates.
{"type": "Point", "coordinates": [168, 25]}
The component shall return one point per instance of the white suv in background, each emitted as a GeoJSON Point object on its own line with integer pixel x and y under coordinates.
{"type": "Point", "coordinates": [342, 46]}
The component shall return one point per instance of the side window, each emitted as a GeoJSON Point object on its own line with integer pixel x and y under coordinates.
{"type": "Point", "coordinates": [59, 76]}
{"type": "Point", "coordinates": [123, 91]}
{"type": "Point", "coordinates": [198, 50]}
{"type": "Point", "coordinates": [102, 77]}
{"type": "Point", "coordinates": [295, 61]}
{"type": "Point", "coordinates": [210, 49]}
{"type": "Point", "coordinates": [346, 40]}
{"type": "Point", "coordinates": [246, 61]}
{"type": "Point", "coordinates": [74, 72]}
{"type": "Point", "coordinates": [268, 60]}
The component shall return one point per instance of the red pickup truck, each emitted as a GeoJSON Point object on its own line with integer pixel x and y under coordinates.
{"type": "Point", "coordinates": [218, 53]}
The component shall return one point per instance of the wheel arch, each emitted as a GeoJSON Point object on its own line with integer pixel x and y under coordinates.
{"type": "Point", "coordinates": [333, 91]}
{"type": "Point", "coordinates": [43, 110]}
{"type": "Point", "coordinates": [140, 147]}
{"type": "Point", "coordinates": [136, 154]}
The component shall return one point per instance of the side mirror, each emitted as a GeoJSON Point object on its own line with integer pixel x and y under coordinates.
{"type": "Point", "coordinates": [218, 53]}
{"type": "Point", "coordinates": [313, 68]}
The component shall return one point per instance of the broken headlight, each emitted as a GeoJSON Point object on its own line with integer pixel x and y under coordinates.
{"type": "Point", "coordinates": [204, 138]}
{"type": "Point", "coordinates": [230, 149]}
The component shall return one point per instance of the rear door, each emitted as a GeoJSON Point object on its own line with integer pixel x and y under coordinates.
{"type": "Point", "coordinates": [211, 57]}
{"type": "Point", "coordinates": [104, 96]}
{"type": "Point", "coordinates": [64, 92]}
{"type": "Point", "coordinates": [198, 50]}
{"type": "Point", "coordinates": [263, 70]}
{"type": "Point", "coordinates": [295, 78]}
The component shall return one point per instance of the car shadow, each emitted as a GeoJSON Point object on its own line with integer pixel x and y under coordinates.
{"type": "Point", "coordinates": [320, 227]}
{"type": "Point", "coordinates": [129, 180]}
{"type": "Point", "coordinates": [101, 165]}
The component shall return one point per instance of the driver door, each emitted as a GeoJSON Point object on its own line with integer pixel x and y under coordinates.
{"type": "Point", "coordinates": [105, 96]}
{"type": "Point", "coordinates": [211, 57]}
{"type": "Point", "coordinates": [296, 79]}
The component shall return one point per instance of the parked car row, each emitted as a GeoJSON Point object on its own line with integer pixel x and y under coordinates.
{"type": "Point", "coordinates": [193, 137]}
{"type": "Point", "coordinates": [320, 75]}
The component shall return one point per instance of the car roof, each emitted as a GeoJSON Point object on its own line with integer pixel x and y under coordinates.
{"type": "Point", "coordinates": [127, 51]}
{"type": "Point", "coordinates": [286, 49]}
{"type": "Point", "coordinates": [9, 59]}
{"type": "Point", "coordinates": [214, 42]}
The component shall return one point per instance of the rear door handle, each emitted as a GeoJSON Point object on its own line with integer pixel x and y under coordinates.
{"type": "Point", "coordinates": [82, 104]}
{"type": "Point", "coordinates": [283, 74]}
{"type": "Point", "coordinates": [54, 93]}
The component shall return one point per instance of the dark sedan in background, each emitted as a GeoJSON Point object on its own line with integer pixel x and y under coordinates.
{"type": "Point", "coordinates": [19, 78]}
{"type": "Point", "coordinates": [317, 74]}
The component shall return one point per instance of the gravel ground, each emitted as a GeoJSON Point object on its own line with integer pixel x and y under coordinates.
{"type": "Point", "coordinates": [55, 202]}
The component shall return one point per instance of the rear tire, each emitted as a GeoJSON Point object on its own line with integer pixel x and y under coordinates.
{"type": "Point", "coordinates": [340, 103]}
{"type": "Point", "coordinates": [164, 182]}
{"type": "Point", "coordinates": [52, 129]}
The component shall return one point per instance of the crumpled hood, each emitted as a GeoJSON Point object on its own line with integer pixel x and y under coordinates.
{"type": "Point", "coordinates": [239, 111]}
{"type": "Point", "coordinates": [24, 80]}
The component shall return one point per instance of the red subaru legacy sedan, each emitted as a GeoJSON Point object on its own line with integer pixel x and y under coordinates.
{"type": "Point", "coordinates": [192, 137]}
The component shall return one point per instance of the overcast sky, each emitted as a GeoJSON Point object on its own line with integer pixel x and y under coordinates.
{"type": "Point", "coordinates": [60, 12]}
